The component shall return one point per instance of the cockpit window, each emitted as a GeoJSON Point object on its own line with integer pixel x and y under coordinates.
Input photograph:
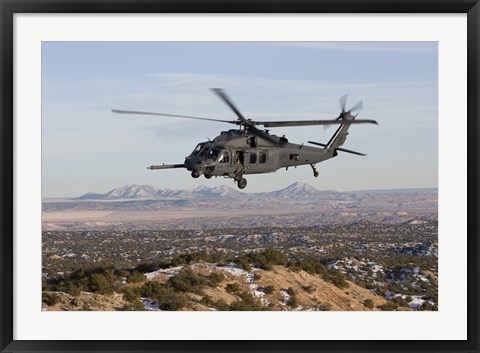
{"type": "Point", "coordinates": [213, 154]}
{"type": "Point", "coordinates": [198, 149]}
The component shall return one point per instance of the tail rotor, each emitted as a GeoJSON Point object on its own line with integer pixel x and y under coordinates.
{"type": "Point", "coordinates": [343, 105]}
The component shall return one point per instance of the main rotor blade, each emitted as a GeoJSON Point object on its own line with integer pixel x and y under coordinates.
{"type": "Point", "coordinates": [223, 96]}
{"type": "Point", "coordinates": [343, 102]}
{"type": "Point", "coordinates": [314, 122]}
{"type": "Point", "coordinates": [172, 115]}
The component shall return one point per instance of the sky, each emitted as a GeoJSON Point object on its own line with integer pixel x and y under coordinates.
{"type": "Point", "coordinates": [87, 148]}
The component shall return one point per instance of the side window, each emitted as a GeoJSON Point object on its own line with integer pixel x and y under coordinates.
{"type": "Point", "coordinates": [226, 157]}
{"type": "Point", "coordinates": [253, 158]}
{"type": "Point", "coordinates": [263, 157]}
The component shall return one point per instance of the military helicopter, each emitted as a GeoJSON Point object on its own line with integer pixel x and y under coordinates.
{"type": "Point", "coordinates": [250, 150]}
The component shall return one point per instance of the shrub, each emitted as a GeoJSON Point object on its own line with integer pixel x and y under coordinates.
{"type": "Point", "coordinates": [400, 301]}
{"type": "Point", "coordinates": [261, 261]}
{"type": "Point", "coordinates": [427, 306]}
{"type": "Point", "coordinates": [309, 289]}
{"type": "Point", "coordinates": [312, 267]}
{"type": "Point", "coordinates": [136, 277]}
{"type": "Point", "coordinates": [269, 289]}
{"type": "Point", "coordinates": [50, 298]}
{"type": "Point", "coordinates": [239, 305]}
{"type": "Point", "coordinates": [243, 262]}
{"type": "Point", "coordinates": [172, 301]}
{"type": "Point", "coordinates": [247, 298]}
{"type": "Point", "coordinates": [275, 257]}
{"type": "Point", "coordinates": [257, 276]}
{"type": "Point", "coordinates": [187, 281]}
{"type": "Point", "coordinates": [100, 283]}
{"type": "Point", "coordinates": [325, 307]}
{"type": "Point", "coordinates": [131, 294]}
{"type": "Point", "coordinates": [214, 279]}
{"type": "Point", "coordinates": [290, 291]}
{"type": "Point", "coordinates": [337, 278]}
{"type": "Point", "coordinates": [152, 289]}
{"type": "Point", "coordinates": [72, 289]}
{"type": "Point", "coordinates": [232, 288]}
{"type": "Point", "coordinates": [389, 306]}
{"type": "Point", "coordinates": [220, 305]}
{"type": "Point", "coordinates": [293, 301]}
{"type": "Point", "coordinates": [368, 303]}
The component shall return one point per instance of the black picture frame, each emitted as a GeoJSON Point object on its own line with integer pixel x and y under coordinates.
{"type": "Point", "coordinates": [10, 7]}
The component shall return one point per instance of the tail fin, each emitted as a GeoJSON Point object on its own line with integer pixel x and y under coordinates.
{"type": "Point", "coordinates": [340, 136]}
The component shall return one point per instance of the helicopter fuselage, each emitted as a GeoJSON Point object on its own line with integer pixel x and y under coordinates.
{"type": "Point", "coordinates": [236, 152]}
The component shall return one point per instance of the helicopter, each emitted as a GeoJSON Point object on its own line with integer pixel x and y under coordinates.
{"type": "Point", "coordinates": [250, 150]}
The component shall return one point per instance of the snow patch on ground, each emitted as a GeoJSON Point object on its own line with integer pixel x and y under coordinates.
{"type": "Point", "coordinates": [286, 297]}
{"type": "Point", "coordinates": [416, 302]}
{"type": "Point", "coordinates": [255, 292]}
{"type": "Point", "coordinates": [149, 305]}
{"type": "Point", "coordinates": [170, 272]}
{"type": "Point", "coordinates": [233, 269]}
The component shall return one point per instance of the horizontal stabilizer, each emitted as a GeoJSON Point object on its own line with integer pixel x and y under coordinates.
{"type": "Point", "coordinates": [338, 148]}
{"type": "Point", "coordinates": [166, 166]}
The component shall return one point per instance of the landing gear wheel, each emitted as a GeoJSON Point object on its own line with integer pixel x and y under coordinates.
{"type": "Point", "coordinates": [242, 183]}
{"type": "Point", "coordinates": [195, 174]}
{"type": "Point", "coordinates": [208, 176]}
{"type": "Point", "coordinates": [315, 174]}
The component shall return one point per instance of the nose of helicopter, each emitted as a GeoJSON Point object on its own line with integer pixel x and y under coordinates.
{"type": "Point", "coordinates": [193, 163]}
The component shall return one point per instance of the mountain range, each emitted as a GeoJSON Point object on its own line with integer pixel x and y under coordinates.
{"type": "Point", "coordinates": [296, 190]}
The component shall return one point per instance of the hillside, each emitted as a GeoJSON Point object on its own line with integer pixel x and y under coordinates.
{"type": "Point", "coordinates": [277, 289]}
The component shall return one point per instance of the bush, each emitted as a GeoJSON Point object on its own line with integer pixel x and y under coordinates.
{"type": "Point", "coordinates": [247, 298]}
{"type": "Point", "coordinates": [275, 257]}
{"type": "Point", "coordinates": [293, 301]}
{"type": "Point", "coordinates": [240, 305]}
{"type": "Point", "coordinates": [131, 294]}
{"type": "Point", "coordinates": [187, 281]}
{"type": "Point", "coordinates": [337, 278]}
{"type": "Point", "coordinates": [269, 289]}
{"type": "Point", "coordinates": [152, 289]}
{"type": "Point", "coordinates": [389, 306]}
{"type": "Point", "coordinates": [325, 307]}
{"type": "Point", "coordinates": [290, 291]}
{"type": "Point", "coordinates": [50, 298]}
{"type": "Point", "coordinates": [220, 305]}
{"type": "Point", "coordinates": [214, 279]}
{"type": "Point", "coordinates": [232, 288]}
{"type": "Point", "coordinates": [368, 303]}
{"type": "Point", "coordinates": [309, 289]}
{"type": "Point", "coordinates": [400, 301]}
{"type": "Point", "coordinates": [257, 276]}
{"type": "Point", "coordinates": [72, 289]}
{"type": "Point", "coordinates": [136, 277]}
{"type": "Point", "coordinates": [312, 267]}
{"type": "Point", "coordinates": [243, 262]}
{"type": "Point", "coordinates": [99, 283]}
{"type": "Point", "coordinates": [172, 301]}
